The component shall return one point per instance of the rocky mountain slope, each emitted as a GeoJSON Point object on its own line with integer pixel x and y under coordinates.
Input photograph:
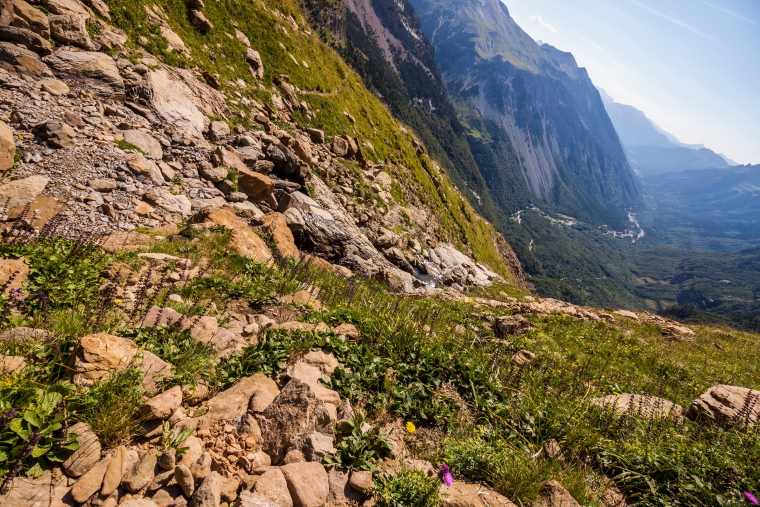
{"type": "Point", "coordinates": [229, 277]}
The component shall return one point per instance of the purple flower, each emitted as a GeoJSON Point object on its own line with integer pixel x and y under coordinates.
{"type": "Point", "coordinates": [751, 498]}
{"type": "Point", "coordinates": [445, 474]}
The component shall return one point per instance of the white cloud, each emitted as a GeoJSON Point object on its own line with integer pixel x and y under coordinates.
{"type": "Point", "coordinates": [539, 20]}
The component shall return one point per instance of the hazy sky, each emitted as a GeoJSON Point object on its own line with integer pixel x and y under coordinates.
{"type": "Point", "coordinates": [693, 66]}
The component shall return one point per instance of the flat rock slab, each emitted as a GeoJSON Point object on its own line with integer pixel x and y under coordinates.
{"type": "Point", "coordinates": [727, 406]}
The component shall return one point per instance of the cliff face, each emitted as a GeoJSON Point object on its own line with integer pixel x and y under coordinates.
{"type": "Point", "coordinates": [567, 150]}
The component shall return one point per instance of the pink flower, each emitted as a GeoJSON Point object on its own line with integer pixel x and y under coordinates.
{"type": "Point", "coordinates": [751, 498]}
{"type": "Point", "coordinates": [445, 474]}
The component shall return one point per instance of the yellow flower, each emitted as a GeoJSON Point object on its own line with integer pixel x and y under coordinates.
{"type": "Point", "coordinates": [410, 427]}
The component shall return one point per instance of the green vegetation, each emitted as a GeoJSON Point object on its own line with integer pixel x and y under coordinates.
{"type": "Point", "coordinates": [407, 488]}
{"type": "Point", "coordinates": [427, 361]}
{"type": "Point", "coordinates": [126, 145]}
{"type": "Point", "coordinates": [360, 448]}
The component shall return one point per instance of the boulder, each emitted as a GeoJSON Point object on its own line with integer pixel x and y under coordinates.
{"type": "Point", "coordinates": [57, 134]}
{"type": "Point", "coordinates": [7, 148]}
{"type": "Point", "coordinates": [26, 38]}
{"type": "Point", "coordinates": [465, 494]}
{"type": "Point", "coordinates": [29, 492]}
{"type": "Point", "coordinates": [209, 492]}
{"type": "Point", "coordinates": [251, 499]}
{"type": "Point", "coordinates": [91, 481]}
{"type": "Point", "coordinates": [243, 240]}
{"type": "Point", "coordinates": [340, 489]}
{"type": "Point", "coordinates": [141, 166]}
{"type": "Point", "coordinates": [276, 226]}
{"type": "Point", "coordinates": [254, 60]}
{"type": "Point", "coordinates": [70, 29]}
{"type": "Point", "coordinates": [140, 473]}
{"type": "Point", "coordinates": [200, 21]}
{"type": "Point", "coordinates": [13, 273]}
{"type": "Point", "coordinates": [513, 325]}
{"type": "Point", "coordinates": [273, 487]}
{"type": "Point", "coordinates": [233, 402]}
{"type": "Point", "coordinates": [11, 364]}
{"type": "Point", "coordinates": [555, 496]}
{"type": "Point", "coordinates": [171, 101]}
{"type": "Point", "coordinates": [361, 480]}
{"type": "Point", "coordinates": [56, 88]}
{"type": "Point", "coordinates": [67, 7]}
{"type": "Point", "coordinates": [649, 407]}
{"type": "Point", "coordinates": [308, 483]}
{"type": "Point", "coordinates": [184, 478]}
{"type": "Point", "coordinates": [86, 455]}
{"type": "Point", "coordinates": [316, 135]}
{"type": "Point", "coordinates": [19, 13]}
{"type": "Point", "coordinates": [256, 186]}
{"type": "Point", "coordinates": [21, 192]}
{"type": "Point", "coordinates": [146, 142]}
{"type": "Point", "coordinates": [212, 173]}
{"type": "Point", "coordinates": [218, 130]}
{"type": "Point", "coordinates": [292, 418]}
{"type": "Point", "coordinates": [163, 405]}
{"type": "Point", "coordinates": [523, 358]}
{"type": "Point", "coordinates": [97, 356]}
{"type": "Point", "coordinates": [175, 204]}
{"type": "Point", "coordinates": [727, 406]}
{"type": "Point", "coordinates": [114, 473]}
{"type": "Point", "coordinates": [92, 70]}
{"type": "Point", "coordinates": [126, 241]}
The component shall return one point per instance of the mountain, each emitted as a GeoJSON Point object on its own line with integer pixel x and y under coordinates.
{"type": "Point", "coordinates": [533, 102]}
{"type": "Point", "coordinates": [651, 150]}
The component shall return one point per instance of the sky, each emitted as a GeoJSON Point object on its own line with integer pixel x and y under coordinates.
{"type": "Point", "coordinates": [692, 66]}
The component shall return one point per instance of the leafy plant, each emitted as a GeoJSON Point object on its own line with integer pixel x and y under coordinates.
{"type": "Point", "coordinates": [361, 446]}
{"type": "Point", "coordinates": [407, 488]}
{"type": "Point", "coordinates": [174, 438]}
{"type": "Point", "coordinates": [33, 424]}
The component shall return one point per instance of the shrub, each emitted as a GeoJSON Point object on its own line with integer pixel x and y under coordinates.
{"type": "Point", "coordinates": [408, 488]}
{"type": "Point", "coordinates": [359, 448]}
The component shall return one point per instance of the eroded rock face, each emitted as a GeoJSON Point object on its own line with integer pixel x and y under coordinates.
{"type": "Point", "coordinates": [727, 406]}
{"type": "Point", "coordinates": [19, 13]}
{"type": "Point", "coordinates": [650, 407]}
{"type": "Point", "coordinates": [171, 101]}
{"type": "Point", "coordinates": [291, 419]}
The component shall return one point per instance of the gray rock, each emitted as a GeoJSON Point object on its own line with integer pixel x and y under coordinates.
{"type": "Point", "coordinates": [26, 38]}
{"type": "Point", "coordinates": [292, 418]}
{"type": "Point", "coordinates": [200, 21]}
{"type": "Point", "coordinates": [254, 60]}
{"type": "Point", "coordinates": [184, 478]}
{"type": "Point", "coordinates": [513, 325]}
{"type": "Point", "coordinates": [145, 142]}
{"type": "Point", "coordinates": [86, 455]}
{"type": "Point", "coordinates": [211, 173]}
{"type": "Point", "coordinates": [727, 406]}
{"type": "Point", "coordinates": [70, 29]}
{"type": "Point", "coordinates": [209, 492]}
{"type": "Point", "coordinates": [141, 166]}
{"type": "Point", "coordinates": [141, 473]}
{"type": "Point", "coordinates": [218, 130]}
{"type": "Point", "coordinates": [175, 204]}
{"type": "Point", "coordinates": [95, 70]}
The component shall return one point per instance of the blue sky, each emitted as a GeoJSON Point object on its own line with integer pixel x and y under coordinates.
{"type": "Point", "coordinates": [693, 66]}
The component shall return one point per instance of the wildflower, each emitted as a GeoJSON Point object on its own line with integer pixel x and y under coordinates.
{"type": "Point", "coordinates": [445, 474]}
{"type": "Point", "coordinates": [410, 427]}
{"type": "Point", "coordinates": [751, 498]}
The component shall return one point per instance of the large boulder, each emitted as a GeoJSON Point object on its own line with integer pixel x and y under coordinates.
{"type": "Point", "coordinates": [21, 192]}
{"type": "Point", "coordinates": [174, 204]}
{"type": "Point", "coordinates": [513, 325]}
{"type": "Point", "coordinates": [273, 487]}
{"type": "Point", "coordinates": [7, 148]}
{"type": "Point", "coordinates": [556, 496]}
{"type": "Point", "coordinates": [125, 241]}
{"type": "Point", "coordinates": [70, 29]}
{"type": "Point", "coordinates": [27, 38]}
{"type": "Point", "coordinates": [650, 407]}
{"type": "Point", "coordinates": [146, 142]}
{"type": "Point", "coordinates": [465, 494]}
{"type": "Point", "coordinates": [294, 421]}
{"type": "Point", "coordinates": [141, 166]}
{"type": "Point", "coordinates": [68, 7]}
{"type": "Point", "coordinates": [308, 483]}
{"type": "Point", "coordinates": [233, 402]}
{"type": "Point", "coordinates": [171, 101]}
{"type": "Point", "coordinates": [86, 455]}
{"type": "Point", "coordinates": [276, 225]}
{"type": "Point", "coordinates": [256, 186]}
{"type": "Point", "coordinates": [727, 406]}
{"type": "Point", "coordinates": [243, 240]}
{"type": "Point", "coordinates": [19, 13]}
{"type": "Point", "coordinates": [90, 70]}
{"type": "Point", "coordinates": [99, 355]}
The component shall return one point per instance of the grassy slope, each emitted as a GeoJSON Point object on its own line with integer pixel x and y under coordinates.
{"type": "Point", "coordinates": [337, 89]}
